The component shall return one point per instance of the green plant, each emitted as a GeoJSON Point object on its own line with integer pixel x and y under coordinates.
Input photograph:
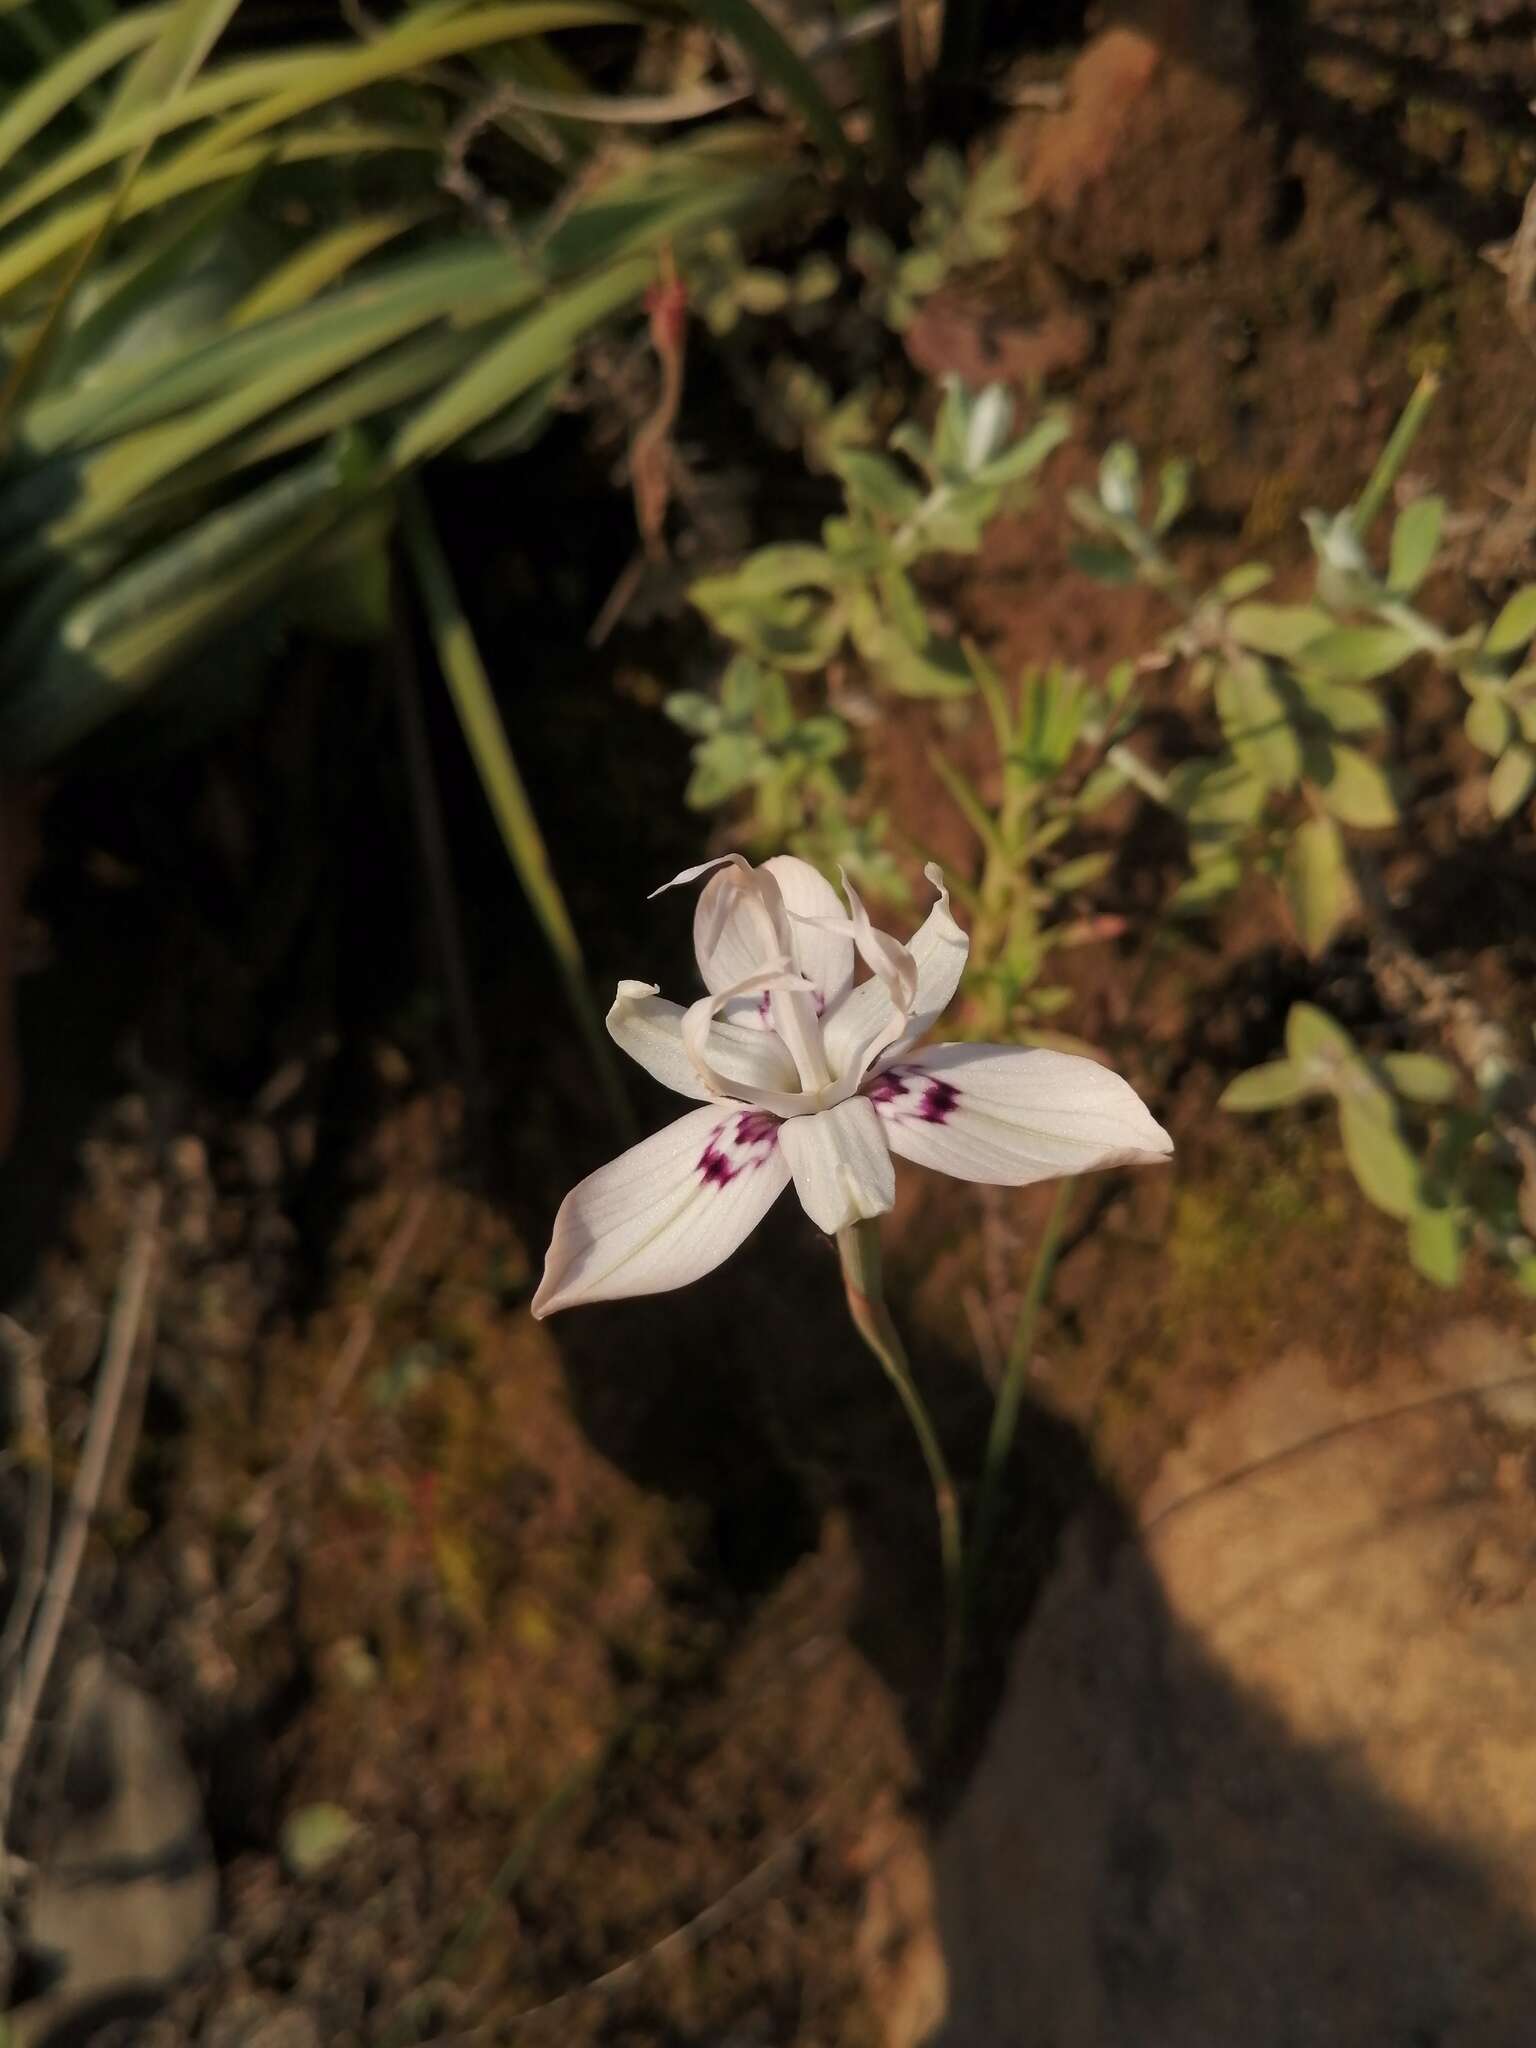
{"type": "Point", "coordinates": [964, 220]}
{"type": "Point", "coordinates": [750, 737]}
{"type": "Point", "coordinates": [245, 297]}
{"type": "Point", "coordinates": [1059, 761]}
{"type": "Point", "coordinates": [796, 607]}
{"type": "Point", "coordinates": [1304, 765]}
{"type": "Point", "coordinates": [1441, 1168]}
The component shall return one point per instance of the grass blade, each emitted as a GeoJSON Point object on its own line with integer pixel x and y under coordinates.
{"type": "Point", "coordinates": [470, 688]}
{"type": "Point", "coordinates": [23, 262]}
{"type": "Point", "coordinates": [535, 347]}
{"type": "Point", "coordinates": [460, 280]}
{"type": "Point", "coordinates": [156, 80]}
{"type": "Point", "coordinates": [63, 82]}
{"type": "Point", "coordinates": [398, 52]}
{"type": "Point", "coordinates": [323, 261]}
{"type": "Point", "coordinates": [779, 64]}
{"type": "Point", "coordinates": [116, 642]}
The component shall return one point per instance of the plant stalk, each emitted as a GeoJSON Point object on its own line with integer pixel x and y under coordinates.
{"type": "Point", "coordinates": [1395, 454]}
{"type": "Point", "coordinates": [505, 790]}
{"type": "Point", "coordinates": [858, 1248]}
{"type": "Point", "coordinates": [1010, 1395]}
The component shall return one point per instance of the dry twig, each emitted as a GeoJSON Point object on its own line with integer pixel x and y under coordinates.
{"type": "Point", "coordinates": [133, 1293]}
{"type": "Point", "coordinates": [32, 1447]}
{"type": "Point", "coordinates": [759, 1885]}
{"type": "Point", "coordinates": [299, 1464]}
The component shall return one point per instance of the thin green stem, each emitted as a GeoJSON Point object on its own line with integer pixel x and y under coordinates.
{"type": "Point", "coordinates": [470, 689]}
{"type": "Point", "coordinates": [416, 2013]}
{"type": "Point", "coordinates": [1395, 454]}
{"type": "Point", "coordinates": [1010, 1395]}
{"type": "Point", "coordinates": [858, 1247]}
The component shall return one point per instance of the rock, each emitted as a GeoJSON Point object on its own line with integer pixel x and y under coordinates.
{"type": "Point", "coordinates": [899, 1957]}
{"type": "Point", "coordinates": [1263, 1774]}
{"type": "Point", "coordinates": [125, 1889]}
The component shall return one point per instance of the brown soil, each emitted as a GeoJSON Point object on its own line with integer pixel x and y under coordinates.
{"type": "Point", "coordinates": [617, 1639]}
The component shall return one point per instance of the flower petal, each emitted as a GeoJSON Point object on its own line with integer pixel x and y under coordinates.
{"type": "Point", "coordinates": [739, 925]}
{"type": "Point", "coordinates": [779, 986]}
{"type": "Point", "coordinates": [824, 957]}
{"type": "Point", "coordinates": [841, 1164]}
{"type": "Point", "coordinates": [860, 1029]}
{"type": "Point", "coordinates": [886, 958]}
{"type": "Point", "coordinates": [650, 1030]}
{"type": "Point", "coordinates": [749, 916]}
{"type": "Point", "coordinates": [665, 1212]}
{"type": "Point", "coordinates": [1010, 1116]}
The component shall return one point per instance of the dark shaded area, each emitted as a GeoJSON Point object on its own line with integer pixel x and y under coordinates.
{"type": "Point", "coordinates": [1236, 1885]}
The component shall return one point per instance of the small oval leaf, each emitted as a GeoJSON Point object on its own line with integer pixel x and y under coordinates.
{"type": "Point", "coordinates": [1312, 1035]}
{"type": "Point", "coordinates": [1278, 628]}
{"type": "Point", "coordinates": [1435, 1245]}
{"type": "Point", "coordinates": [1415, 538]}
{"type": "Point", "coordinates": [1318, 887]}
{"type": "Point", "coordinates": [1383, 1166]}
{"type": "Point", "coordinates": [1357, 791]}
{"type": "Point", "coordinates": [1514, 625]}
{"type": "Point", "coordinates": [1255, 720]}
{"type": "Point", "coordinates": [1511, 781]}
{"type": "Point", "coordinates": [1488, 723]}
{"type": "Point", "coordinates": [1358, 654]}
{"type": "Point", "coordinates": [1272, 1086]}
{"type": "Point", "coordinates": [1420, 1076]}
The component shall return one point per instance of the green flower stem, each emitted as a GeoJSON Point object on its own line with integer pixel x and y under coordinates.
{"type": "Point", "coordinates": [858, 1247]}
{"type": "Point", "coordinates": [1395, 454]}
{"type": "Point", "coordinates": [1005, 1415]}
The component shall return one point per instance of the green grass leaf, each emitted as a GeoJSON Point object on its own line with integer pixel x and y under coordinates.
{"type": "Point", "coordinates": [780, 65]}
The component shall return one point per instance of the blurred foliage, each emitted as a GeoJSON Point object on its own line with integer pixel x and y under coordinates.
{"type": "Point", "coordinates": [244, 293]}
{"type": "Point", "coordinates": [1300, 783]}
{"type": "Point", "coordinates": [964, 220]}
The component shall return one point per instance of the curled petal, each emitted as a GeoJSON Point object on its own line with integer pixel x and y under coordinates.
{"type": "Point", "coordinates": [841, 1164]}
{"type": "Point", "coordinates": [703, 867]}
{"type": "Point", "coordinates": [861, 1030]}
{"type": "Point", "coordinates": [740, 926]}
{"type": "Point", "coordinates": [940, 948]}
{"type": "Point", "coordinates": [776, 985]}
{"type": "Point", "coordinates": [886, 958]}
{"type": "Point", "coordinates": [1008, 1116]}
{"type": "Point", "coordinates": [666, 1212]}
{"type": "Point", "coordinates": [823, 955]}
{"type": "Point", "coordinates": [650, 1030]}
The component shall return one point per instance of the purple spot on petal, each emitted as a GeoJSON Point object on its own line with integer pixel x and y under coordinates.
{"type": "Point", "coordinates": [936, 1099]}
{"type": "Point", "coordinates": [716, 1168]}
{"type": "Point", "coordinates": [741, 1142]}
{"type": "Point", "coordinates": [939, 1099]}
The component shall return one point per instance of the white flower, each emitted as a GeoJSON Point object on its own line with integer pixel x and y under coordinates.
{"type": "Point", "coordinates": [805, 1076]}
